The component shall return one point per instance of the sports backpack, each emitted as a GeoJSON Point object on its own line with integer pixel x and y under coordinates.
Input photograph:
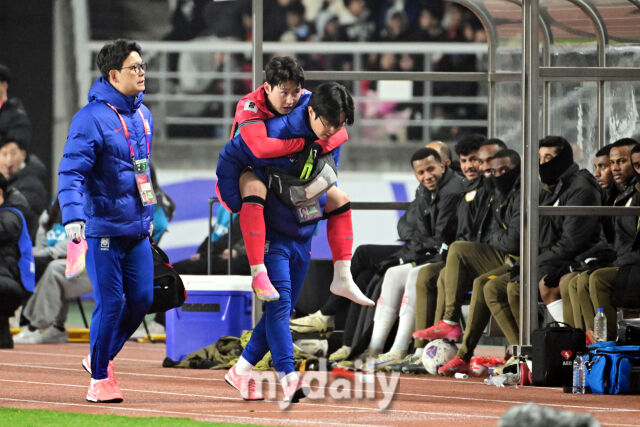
{"type": "Point", "coordinates": [26, 263]}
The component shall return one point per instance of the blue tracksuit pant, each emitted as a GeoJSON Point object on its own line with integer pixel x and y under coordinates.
{"type": "Point", "coordinates": [121, 272]}
{"type": "Point", "coordinates": [287, 262]}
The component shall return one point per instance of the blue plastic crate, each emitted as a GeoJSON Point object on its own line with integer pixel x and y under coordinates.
{"type": "Point", "coordinates": [216, 306]}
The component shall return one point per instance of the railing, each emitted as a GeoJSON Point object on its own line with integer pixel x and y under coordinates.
{"type": "Point", "coordinates": [179, 99]}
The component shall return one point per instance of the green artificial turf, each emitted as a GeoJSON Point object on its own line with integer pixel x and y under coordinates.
{"type": "Point", "coordinates": [36, 417]}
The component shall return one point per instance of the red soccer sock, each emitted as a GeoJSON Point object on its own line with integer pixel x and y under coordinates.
{"type": "Point", "coordinates": [253, 228]}
{"type": "Point", "coordinates": [340, 233]}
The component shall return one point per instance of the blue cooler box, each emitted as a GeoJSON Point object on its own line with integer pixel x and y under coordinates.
{"type": "Point", "coordinates": [216, 306]}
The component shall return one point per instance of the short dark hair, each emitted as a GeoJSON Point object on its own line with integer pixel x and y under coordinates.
{"type": "Point", "coordinates": [635, 149]}
{"type": "Point", "coordinates": [493, 141]}
{"type": "Point", "coordinates": [512, 155]}
{"type": "Point", "coordinates": [3, 185]}
{"type": "Point", "coordinates": [423, 153]}
{"type": "Point", "coordinates": [604, 151]}
{"type": "Point", "coordinates": [469, 143]}
{"type": "Point", "coordinates": [10, 138]}
{"type": "Point", "coordinates": [5, 74]}
{"type": "Point", "coordinates": [624, 142]}
{"type": "Point", "coordinates": [281, 69]}
{"type": "Point", "coordinates": [113, 54]}
{"type": "Point", "coordinates": [329, 100]}
{"type": "Point", "coordinates": [558, 142]}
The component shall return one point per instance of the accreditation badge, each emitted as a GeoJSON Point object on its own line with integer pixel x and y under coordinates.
{"type": "Point", "coordinates": [309, 212]}
{"type": "Point", "coordinates": [143, 182]}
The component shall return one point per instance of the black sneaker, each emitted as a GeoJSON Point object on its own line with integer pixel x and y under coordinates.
{"type": "Point", "coordinates": [414, 366]}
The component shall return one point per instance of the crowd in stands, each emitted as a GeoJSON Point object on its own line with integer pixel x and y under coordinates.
{"type": "Point", "coordinates": [461, 235]}
{"type": "Point", "coordinates": [310, 21]}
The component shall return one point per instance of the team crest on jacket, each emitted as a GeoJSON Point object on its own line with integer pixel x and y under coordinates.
{"type": "Point", "coordinates": [251, 106]}
{"type": "Point", "coordinates": [470, 195]}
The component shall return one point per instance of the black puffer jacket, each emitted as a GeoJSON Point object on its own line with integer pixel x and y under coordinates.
{"type": "Point", "coordinates": [31, 181]}
{"type": "Point", "coordinates": [505, 224]}
{"type": "Point", "coordinates": [626, 226]}
{"type": "Point", "coordinates": [474, 211]}
{"type": "Point", "coordinates": [14, 122]}
{"type": "Point", "coordinates": [430, 219]}
{"type": "Point", "coordinates": [11, 290]}
{"type": "Point", "coordinates": [563, 238]}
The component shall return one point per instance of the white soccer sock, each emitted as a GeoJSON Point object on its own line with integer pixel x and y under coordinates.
{"type": "Point", "coordinates": [243, 367]}
{"type": "Point", "coordinates": [344, 285]}
{"type": "Point", "coordinates": [288, 378]}
{"type": "Point", "coordinates": [405, 326]}
{"type": "Point", "coordinates": [555, 309]}
{"type": "Point", "coordinates": [419, 351]}
{"type": "Point", "coordinates": [384, 319]}
{"type": "Point", "coordinates": [255, 269]}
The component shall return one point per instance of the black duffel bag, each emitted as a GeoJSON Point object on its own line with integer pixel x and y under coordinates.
{"type": "Point", "coordinates": [168, 289]}
{"type": "Point", "coordinates": [553, 349]}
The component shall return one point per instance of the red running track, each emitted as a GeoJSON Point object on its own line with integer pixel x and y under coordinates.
{"type": "Point", "coordinates": [51, 377]}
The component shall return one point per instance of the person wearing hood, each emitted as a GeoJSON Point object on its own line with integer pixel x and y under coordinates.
{"type": "Point", "coordinates": [27, 173]}
{"type": "Point", "coordinates": [105, 192]}
{"type": "Point", "coordinates": [624, 159]}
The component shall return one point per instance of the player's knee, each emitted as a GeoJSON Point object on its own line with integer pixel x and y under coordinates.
{"type": "Point", "coordinates": [251, 185]}
{"type": "Point", "coordinates": [336, 198]}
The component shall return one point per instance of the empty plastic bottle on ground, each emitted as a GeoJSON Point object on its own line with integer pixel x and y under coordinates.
{"type": "Point", "coordinates": [578, 374]}
{"type": "Point", "coordinates": [600, 326]}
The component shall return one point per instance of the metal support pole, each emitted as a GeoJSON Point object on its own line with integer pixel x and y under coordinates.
{"type": "Point", "coordinates": [530, 187]}
{"type": "Point", "coordinates": [256, 42]}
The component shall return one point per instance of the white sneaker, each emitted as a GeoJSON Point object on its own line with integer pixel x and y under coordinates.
{"type": "Point", "coordinates": [28, 337]}
{"type": "Point", "coordinates": [54, 335]}
{"type": "Point", "coordinates": [340, 354]}
{"type": "Point", "coordinates": [384, 359]}
{"type": "Point", "coordinates": [316, 322]}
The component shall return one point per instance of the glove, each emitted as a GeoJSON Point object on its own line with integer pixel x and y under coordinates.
{"type": "Point", "coordinates": [307, 159]}
{"type": "Point", "coordinates": [75, 230]}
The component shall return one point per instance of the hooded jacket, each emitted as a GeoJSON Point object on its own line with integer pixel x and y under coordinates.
{"type": "Point", "coordinates": [431, 218]}
{"type": "Point", "coordinates": [30, 180]}
{"type": "Point", "coordinates": [97, 163]}
{"type": "Point", "coordinates": [14, 122]}
{"type": "Point", "coordinates": [563, 238]}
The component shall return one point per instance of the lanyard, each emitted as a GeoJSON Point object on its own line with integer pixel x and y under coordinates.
{"type": "Point", "coordinates": [125, 130]}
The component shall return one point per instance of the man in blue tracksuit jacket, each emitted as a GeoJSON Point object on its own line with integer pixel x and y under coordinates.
{"type": "Point", "coordinates": [104, 183]}
{"type": "Point", "coordinates": [288, 240]}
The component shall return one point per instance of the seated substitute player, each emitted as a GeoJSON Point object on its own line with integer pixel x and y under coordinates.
{"type": "Point", "coordinates": [281, 92]}
{"type": "Point", "coordinates": [288, 232]}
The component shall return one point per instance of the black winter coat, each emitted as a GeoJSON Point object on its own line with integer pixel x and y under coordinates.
{"type": "Point", "coordinates": [14, 122]}
{"type": "Point", "coordinates": [563, 238]}
{"type": "Point", "coordinates": [474, 211]}
{"type": "Point", "coordinates": [505, 224]}
{"type": "Point", "coordinates": [626, 227]}
{"type": "Point", "coordinates": [31, 182]}
{"type": "Point", "coordinates": [430, 219]}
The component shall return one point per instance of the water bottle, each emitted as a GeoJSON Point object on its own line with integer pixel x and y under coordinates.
{"type": "Point", "coordinates": [600, 326]}
{"type": "Point", "coordinates": [578, 374]}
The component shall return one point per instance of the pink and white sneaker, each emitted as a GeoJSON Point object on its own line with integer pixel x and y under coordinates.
{"type": "Point", "coordinates": [245, 384]}
{"type": "Point", "coordinates": [86, 364]}
{"type": "Point", "coordinates": [263, 288]}
{"type": "Point", "coordinates": [104, 392]}
{"type": "Point", "coordinates": [296, 390]}
{"type": "Point", "coordinates": [440, 330]}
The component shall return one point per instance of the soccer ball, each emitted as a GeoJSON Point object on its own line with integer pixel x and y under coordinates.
{"type": "Point", "coordinates": [437, 353]}
{"type": "Point", "coordinates": [314, 347]}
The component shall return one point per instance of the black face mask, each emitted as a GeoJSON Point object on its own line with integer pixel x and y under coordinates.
{"type": "Point", "coordinates": [551, 171]}
{"type": "Point", "coordinates": [504, 182]}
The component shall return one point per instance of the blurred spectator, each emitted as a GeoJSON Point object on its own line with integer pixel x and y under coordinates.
{"type": "Point", "coordinates": [26, 173]}
{"type": "Point", "coordinates": [12, 292]}
{"type": "Point", "coordinates": [357, 23]}
{"type": "Point", "coordinates": [298, 29]}
{"type": "Point", "coordinates": [14, 122]}
{"type": "Point", "coordinates": [51, 241]}
{"type": "Point", "coordinates": [428, 28]}
{"type": "Point", "coordinates": [396, 26]}
{"type": "Point", "coordinates": [274, 18]}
